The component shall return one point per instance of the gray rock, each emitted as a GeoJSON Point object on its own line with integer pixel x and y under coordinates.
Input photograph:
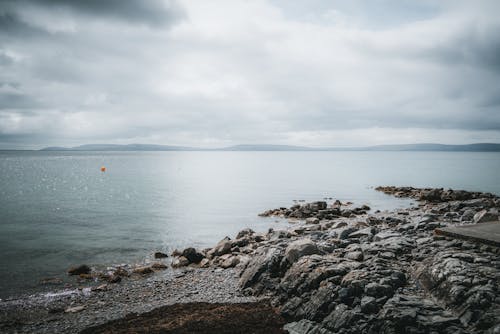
{"type": "Point", "coordinates": [268, 260]}
{"type": "Point", "coordinates": [356, 256]}
{"type": "Point", "coordinates": [223, 247]}
{"type": "Point", "coordinates": [369, 305]}
{"type": "Point", "coordinates": [378, 290]}
{"type": "Point", "coordinates": [305, 326]}
{"type": "Point", "coordinates": [312, 220]}
{"type": "Point", "coordinates": [299, 248]}
{"type": "Point", "coordinates": [346, 232]}
{"type": "Point", "coordinates": [484, 216]}
{"type": "Point", "coordinates": [244, 233]}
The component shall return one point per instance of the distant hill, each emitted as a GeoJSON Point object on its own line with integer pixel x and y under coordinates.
{"type": "Point", "coordinates": [480, 147]}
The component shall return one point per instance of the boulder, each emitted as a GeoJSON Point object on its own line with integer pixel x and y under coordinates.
{"type": "Point", "coordinates": [192, 255]}
{"type": "Point", "coordinates": [181, 261]}
{"type": "Point", "coordinates": [82, 269]}
{"type": "Point", "coordinates": [484, 216]}
{"type": "Point", "coordinates": [244, 233]}
{"type": "Point", "coordinates": [266, 261]}
{"type": "Point", "coordinates": [356, 256]}
{"type": "Point", "coordinates": [299, 248]}
{"type": "Point", "coordinates": [312, 220]}
{"type": "Point", "coordinates": [222, 247]}
{"type": "Point", "coordinates": [230, 262]}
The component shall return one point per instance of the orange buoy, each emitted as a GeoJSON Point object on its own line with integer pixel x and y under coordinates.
{"type": "Point", "coordinates": [103, 169]}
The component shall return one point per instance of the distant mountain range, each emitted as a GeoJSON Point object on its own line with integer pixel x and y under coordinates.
{"type": "Point", "coordinates": [481, 147]}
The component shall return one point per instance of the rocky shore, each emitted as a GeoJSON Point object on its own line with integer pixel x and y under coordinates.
{"type": "Point", "coordinates": [338, 268]}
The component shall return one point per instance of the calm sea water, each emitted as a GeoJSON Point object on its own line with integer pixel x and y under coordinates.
{"type": "Point", "coordinates": [58, 209]}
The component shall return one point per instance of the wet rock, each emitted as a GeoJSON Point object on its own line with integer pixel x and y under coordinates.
{"type": "Point", "coordinates": [82, 269]}
{"type": "Point", "coordinates": [159, 266]}
{"type": "Point", "coordinates": [299, 248]}
{"type": "Point", "coordinates": [160, 255]}
{"type": "Point", "coordinates": [143, 270]}
{"type": "Point", "coordinates": [192, 255]}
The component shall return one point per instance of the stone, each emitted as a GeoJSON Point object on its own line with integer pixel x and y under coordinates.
{"type": "Point", "coordinates": [346, 232]}
{"type": "Point", "coordinates": [159, 266]}
{"type": "Point", "coordinates": [369, 305]}
{"type": "Point", "coordinates": [385, 235]}
{"type": "Point", "coordinates": [305, 326]}
{"type": "Point", "coordinates": [244, 233]}
{"type": "Point", "coordinates": [230, 262]}
{"type": "Point", "coordinates": [223, 247]}
{"type": "Point", "coordinates": [484, 216]}
{"type": "Point", "coordinates": [266, 261]}
{"type": "Point", "coordinates": [192, 255]}
{"type": "Point", "coordinates": [378, 290]}
{"type": "Point", "coordinates": [181, 261]}
{"type": "Point", "coordinates": [160, 255]}
{"type": "Point", "coordinates": [205, 263]}
{"type": "Point", "coordinates": [74, 309]}
{"type": "Point", "coordinates": [82, 269]}
{"type": "Point", "coordinates": [312, 220]}
{"type": "Point", "coordinates": [356, 256]}
{"type": "Point", "coordinates": [143, 270]}
{"type": "Point", "coordinates": [299, 248]}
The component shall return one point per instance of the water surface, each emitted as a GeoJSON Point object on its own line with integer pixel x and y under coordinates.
{"type": "Point", "coordinates": [58, 209]}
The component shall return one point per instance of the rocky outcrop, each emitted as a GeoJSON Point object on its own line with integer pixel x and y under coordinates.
{"type": "Point", "coordinates": [345, 270]}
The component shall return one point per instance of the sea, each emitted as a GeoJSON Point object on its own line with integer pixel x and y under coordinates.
{"type": "Point", "coordinates": [58, 209]}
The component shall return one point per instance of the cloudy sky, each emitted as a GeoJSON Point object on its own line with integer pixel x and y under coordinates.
{"type": "Point", "coordinates": [217, 73]}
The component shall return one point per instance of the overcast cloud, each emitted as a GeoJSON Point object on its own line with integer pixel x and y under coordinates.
{"type": "Point", "coordinates": [217, 73]}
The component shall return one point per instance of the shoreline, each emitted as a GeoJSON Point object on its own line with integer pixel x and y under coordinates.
{"type": "Point", "coordinates": [336, 268]}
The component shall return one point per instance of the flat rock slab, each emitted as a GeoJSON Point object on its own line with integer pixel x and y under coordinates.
{"type": "Point", "coordinates": [486, 233]}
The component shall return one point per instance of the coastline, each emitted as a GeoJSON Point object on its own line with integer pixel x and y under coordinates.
{"type": "Point", "coordinates": [337, 268]}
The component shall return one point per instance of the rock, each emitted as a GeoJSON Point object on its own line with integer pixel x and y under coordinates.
{"type": "Point", "coordinates": [160, 255]}
{"type": "Point", "coordinates": [299, 248]}
{"type": "Point", "coordinates": [369, 305]}
{"type": "Point", "coordinates": [192, 255]}
{"type": "Point", "coordinates": [312, 220]}
{"type": "Point", "coordinates": [159, 266]}
{"type": "Point", "coordinates": [305, 326]}
{"type": "Point", "coordinates": [121, 272]}
{"type": "Point", "coordinates": [181, 261]}
{"type": "Point", "coordinates": [143, 270]}
{"type": "Point", "coordinates": [378, 290]}
{"type": "Point", "coordinates": [366, 232]}
{"type": "Point", "coordinates": [385, 235]}
{"type": "Point", "coordinates": [346, 232]}
{"type": "Point", "coordinates": [205, 263]}
{"type": "Point", "coordinates": [433, 195]}
{"type": "Point", "coordinates": [484, 216]}
{"type": "Point", "coordinates": [82, 269]}
{"type": "Point", "coordinates": [230, 262]}
{"type": "Point", "coordinates": [113, 279]}
{"type": "Point", "coordinates": [266, 261]}
{"type": "Point", "coordinates": [223, 247]}
{"type": "Point", "coordinates": [74, 309]}
{"type": "Point", "coordinates": [244, 233]}
{"type": "Point", "coordinates": [356, 256]}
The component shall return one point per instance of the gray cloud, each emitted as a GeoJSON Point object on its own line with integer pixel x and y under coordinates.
{"type": "Point", "coordinates": [229, 72]}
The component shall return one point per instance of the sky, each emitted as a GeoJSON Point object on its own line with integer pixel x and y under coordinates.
{"type": "Point", "coordinates": [219, 73]}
